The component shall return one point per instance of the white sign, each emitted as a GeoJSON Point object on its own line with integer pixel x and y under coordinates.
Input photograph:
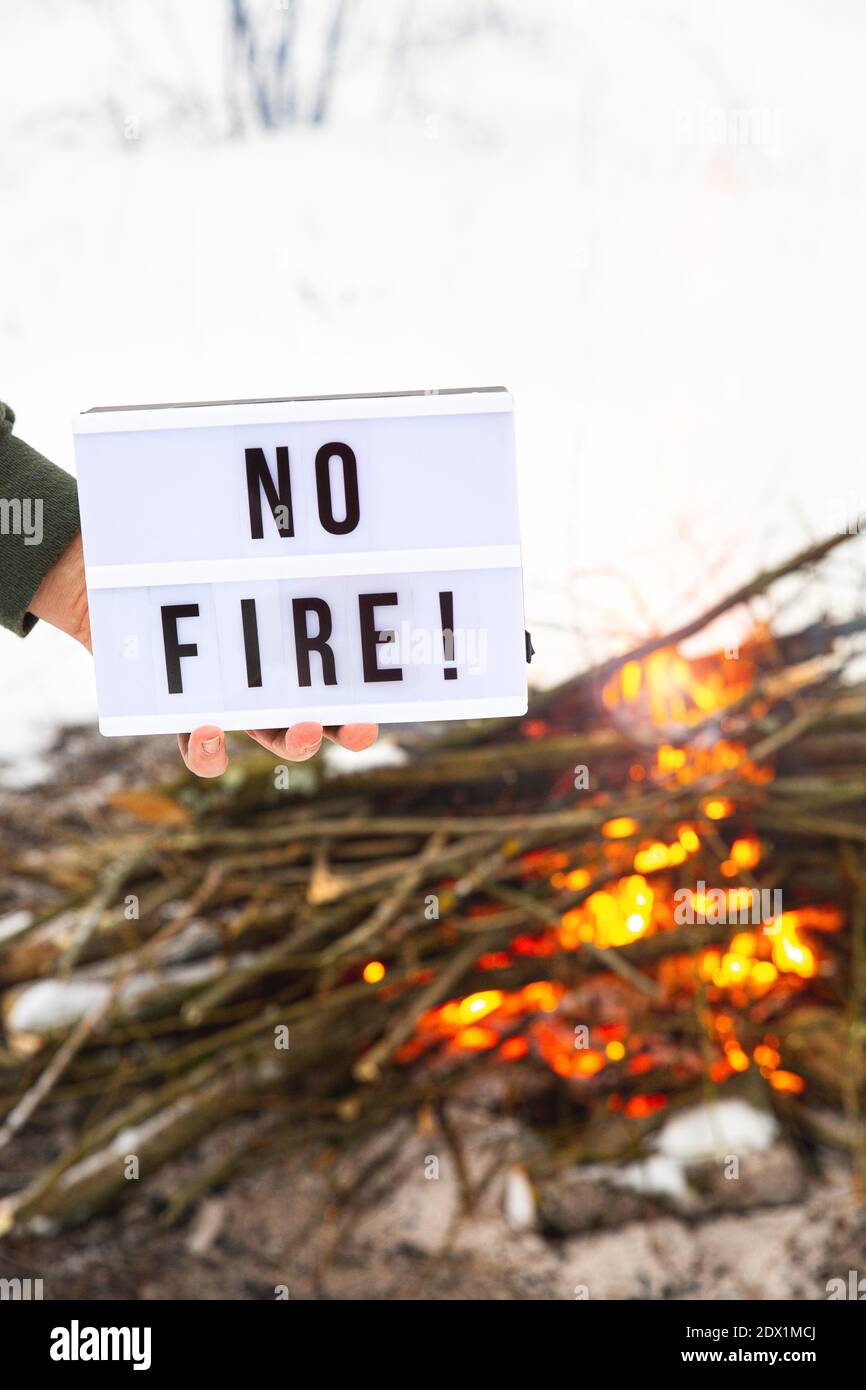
{"type": "Point", "coordinates": [255, 563]}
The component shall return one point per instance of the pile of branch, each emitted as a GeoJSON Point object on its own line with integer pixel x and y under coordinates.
{"type": "Point", "coordinates": [200, 953]}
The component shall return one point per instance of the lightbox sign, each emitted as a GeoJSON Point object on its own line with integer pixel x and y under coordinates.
{"type": "Point", "coordinates": [345, 559]}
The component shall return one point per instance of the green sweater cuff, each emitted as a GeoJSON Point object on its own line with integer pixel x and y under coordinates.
{"type": "Point", "coordinates": [38, 520]}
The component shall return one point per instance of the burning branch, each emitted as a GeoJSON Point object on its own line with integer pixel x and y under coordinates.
{"type": "Point", "coordinates": [689, 915]}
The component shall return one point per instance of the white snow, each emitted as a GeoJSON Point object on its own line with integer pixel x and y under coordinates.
{"type": "Point", "coordinates": [126, 1142]}
{"type": "Point", "coordinates": [713, 1130]}
{"type": "Point", "coordinates": [646, 219]}
{"type": "Point", "coordinates": [13, 923]}
{"type": "Point", "coordinates": [701, 1133]}
{"type": "Point", "coordinates": [518, 1200]}
{"type": "Point", "coordinates": [47, 1005]}
{"type": "Point", "coordinates": [50, 1004]}
{"type": "Point", "coordinates": [383, 753]}
{"type": "Point", "coordinates": [657, 1174]}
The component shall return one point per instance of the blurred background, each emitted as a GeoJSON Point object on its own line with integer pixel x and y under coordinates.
{"type": "Point", "coordinates": [647, 221]}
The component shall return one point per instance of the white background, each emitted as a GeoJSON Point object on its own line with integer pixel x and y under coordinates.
{"type": "Point", "coordinates": [499, 194]}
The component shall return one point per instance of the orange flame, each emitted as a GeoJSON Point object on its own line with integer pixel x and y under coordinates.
{"type": "Point", "coordinates": [666, 689]}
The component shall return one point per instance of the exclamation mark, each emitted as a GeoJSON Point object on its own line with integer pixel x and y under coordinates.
{"type": "Point", "coordinates": [446, 609]}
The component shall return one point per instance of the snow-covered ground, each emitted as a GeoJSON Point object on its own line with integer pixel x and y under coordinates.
{"type": "Point", "coordinates": [646, 219]}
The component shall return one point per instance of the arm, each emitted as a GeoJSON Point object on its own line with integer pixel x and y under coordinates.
{"type": "Point", "coordinates": [38, 523]}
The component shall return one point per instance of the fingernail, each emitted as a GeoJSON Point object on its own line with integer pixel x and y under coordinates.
{"type": "Point", "coordinates": [211, 746]}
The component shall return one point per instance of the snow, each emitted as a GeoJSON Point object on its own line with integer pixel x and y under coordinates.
{"type": "Point", "coordinates": [658, 1174]}
{"type": "Point", "coordinates": [13, 923]}
{"type": "Point", "coordinates": [565, 199]}
{"type": "Point", "coordinates": [48, 1005]}
{"type": "Point", "coordinates": [125, 1143]}
{"type": "Point", "coordinates": [384, 752]}
{"type": "Point", "coordinates": [518, 1200]}
{"type": "Point", "coordinates": [711, 1131]}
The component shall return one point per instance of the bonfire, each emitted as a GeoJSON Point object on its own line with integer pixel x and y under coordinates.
{"type": "Point", "coordinates": [648, 892]}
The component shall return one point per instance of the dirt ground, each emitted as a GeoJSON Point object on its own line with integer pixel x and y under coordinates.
{"type": "Point", "coordinates": [289, 1231]}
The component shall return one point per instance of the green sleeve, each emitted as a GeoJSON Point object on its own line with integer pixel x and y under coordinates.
{"type": "Point", "coordinates": [38, 519]}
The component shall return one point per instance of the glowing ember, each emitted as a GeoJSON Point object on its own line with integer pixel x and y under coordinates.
{"type": "Point", "coordinates": [477, 1006]}
{"type": "Point", "coordinates": [736, 1057]}
{"type": "Point", "coordinates": [494, 960]}
{"type": "Point", "coordinates": [746, 852]}
{"type": "Point", "coordinates": [557, 1048]}
{"type": "Point", "coordinates": [476, 1039]}
{"type": "Point", "coordinates": [534, 945]}
{"type": "Point", "coordinates": [610, 918]}
{"type": "Point", "coordinates": [639, 1107]}
{"type": "Point", "coordinates": [574, 880]}
{"type": "Point", "coordinates": [688, 839]}
{"type": "Point", "coordinates": [658, 855]}
{"type": "Point", "coordinates": [766, 1057]}
{"type": "Point", "coordinates": [665, 689]}
{"type": "Point", "coordinates": [541, 995]}
{"type": "Point", "coordinates": [458, 1020]}
{"type": "Point", "coordinates": [753, 961]}
{"type": "Point", "coordinates": [790, 953]}
{"type": "Point", "coordinates": [620, 828]}
{"type": "Point", "coordinates": [787, 1081]}
{"type": "Point", "coordinates": [542, 862]}
{"type": "Point", "coordinates": [374, 971]}
{"type": "Point", "coordinates": [689, 764]}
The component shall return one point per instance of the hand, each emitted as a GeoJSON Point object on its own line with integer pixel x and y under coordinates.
{"type": "Point", "coordinates": [204, 750]}
{"type": "Point", "coordinates": [61, 600]}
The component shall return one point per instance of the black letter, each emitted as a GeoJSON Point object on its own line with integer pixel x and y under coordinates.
{"type": "Point", "coordinates": [259, 475]}
{"type": "Point", "coordinates": [304, 643]}
{"type": "Point", "coordinates": [251, 641]}
{"type": "Point", "coordinates": [350, 489]}
{"type": "Point", "coordinates": [370, 638]}
{"type": "Point", "coordinates": [174, 650]}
